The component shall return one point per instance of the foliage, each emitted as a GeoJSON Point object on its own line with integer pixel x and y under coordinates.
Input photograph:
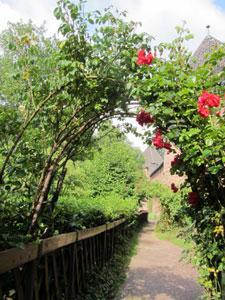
{"type": "Point", "coordinates": [172, 91]}
{"type": "Point", "coordinates": [55, 93]}
{"type": "Point", "coordinates": [71, 214]}
{"type": "Point", "coordinates": [114, 166]}
{"type": "Point", "coordinates": [104, 283]}
{"type": "Point", "coordinates": [110, 157]}
{"type": "Point", "coordinates": [172, 212]}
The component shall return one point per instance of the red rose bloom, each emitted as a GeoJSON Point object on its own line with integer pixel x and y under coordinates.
{"type": "Point", "coordinates": [193, 198]}
{"type": "Point", "coordinates": [149, 58]}
{"type": "Point", "coordinates": [205, 101]}
{"type": "Point", "coordinates": [141, 57]}
{"type": "Point", "coordinates": [144, 117]}
{"type": "Point", "coordinates": [167, 146]}
{"type": "Point", "coordinates": [211, 100]}
{"type": "Point", "coordinates": [203, 111]}
{"type": "Point", "coordinates": [158, 140]}
{"type": "Point", "coordinates": [144, 58]}
{"type": "Point", "coordinates": [174, 188]}
{"type": "Point", "coordinates": [175, 160]}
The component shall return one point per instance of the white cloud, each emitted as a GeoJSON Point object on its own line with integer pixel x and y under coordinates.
{"type": "Point", "coordinates": [160, 17]}
{"type": "Point", "coordinates": [36, 10]}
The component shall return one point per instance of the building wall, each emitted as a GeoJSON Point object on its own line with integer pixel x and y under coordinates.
{"type": "Point", "coordinates": [164, 175]}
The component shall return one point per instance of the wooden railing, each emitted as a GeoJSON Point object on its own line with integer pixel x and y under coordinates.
{"type": "Point", "coordinates": [56, 268]}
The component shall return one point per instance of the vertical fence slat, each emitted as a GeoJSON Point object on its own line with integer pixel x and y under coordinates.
{"type": "Point", "coordinates": [1, 292]}
{"type": "Point", "coordinates": [77, 268]}
{"type": "Point", "coordinates": [82, 262]}
{"type": "Point", "coordinates": [91, 253]}
{"type": "Point", "coordinates": [64, 270]}
{"type": "Point", "coordinates": [86, 255]}
{"type": "Point", "coordinates": [46, 277]}
{"type": "Point", "coordinates": [105, 246]}
{"type": "Point", "coordinates": [56, 276]}
{"type": "Point", "coordinates": [223, 285]}
{"type": "Point", "coordinates": [19, 288]}
{"type": "Point", "coordinates": [72, 280]}
{"type": "Point", "coordinates": [29, 270]}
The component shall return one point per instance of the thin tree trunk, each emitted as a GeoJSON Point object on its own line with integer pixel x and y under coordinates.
{"type": "Point", "coordinates": [23, 129]}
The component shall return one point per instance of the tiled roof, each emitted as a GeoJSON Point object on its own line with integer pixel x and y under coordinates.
{"type": "Point", "coordinates": [209, 44]}
{"type": "Point", "coordinates": [153, 160]}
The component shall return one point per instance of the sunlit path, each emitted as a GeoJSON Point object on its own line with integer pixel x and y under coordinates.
{"type": "Point", "coordinates": [157, 273]}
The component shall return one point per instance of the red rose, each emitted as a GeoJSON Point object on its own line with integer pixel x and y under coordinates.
{"type": "Point", "coordinates": [174, 188]}
{"type": "Point", "coordinates": [149, 58]}
{"type": "Point", "coordinates": [203, 111]}
{"type": "Point", "coordinates": [144, 58]}
{"type": "Point", "coordinates": [158, 140]}
{"type": "Point", "coordinates": [167, 146]}
{"type": "Point", "coordinates": [205, 101]}
{"type": "Point", "coordinates": [175, 160]}
{"type": "Point", "coordinates": [193, 198]}
{"type": "Point", "coordinates": [141, 57]}
{"type": "Point", "coordinates": [144, 117]}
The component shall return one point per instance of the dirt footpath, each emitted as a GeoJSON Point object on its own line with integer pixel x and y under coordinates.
{"type": "Point", "coordinates": [157, 273]}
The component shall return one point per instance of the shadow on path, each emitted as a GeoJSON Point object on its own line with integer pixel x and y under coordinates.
{"type": "Point", "coordinates": [156, 272]}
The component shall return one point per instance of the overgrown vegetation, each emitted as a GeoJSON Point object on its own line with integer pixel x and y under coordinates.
{"type": "Point", "coordinates": [55, 94]}
{"type": "Point", "coordinates": [105, 283]}
{"type": "Point", "coordinates": [186, 102]}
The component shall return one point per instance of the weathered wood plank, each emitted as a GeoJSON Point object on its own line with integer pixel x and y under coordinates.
{"type": "Point", "coordinates": [56, 242]}
{"type": "Point", "coordinates": [114, 224]}
{"type": "Point", "coordinates": [223, 285]}
{"type": "Point", "coordinates": [77, 268]}
{"type": "Point", "coordinates": [90, 232]}
{"type": "Point", "coordinates": [15, 257]}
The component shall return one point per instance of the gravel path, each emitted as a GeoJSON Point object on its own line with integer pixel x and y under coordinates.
{"type": "Point", "coordinates": [157, 273]}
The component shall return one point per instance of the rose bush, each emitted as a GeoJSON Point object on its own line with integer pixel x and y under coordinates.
{"type": "Point", "coordinates": [187, 104]}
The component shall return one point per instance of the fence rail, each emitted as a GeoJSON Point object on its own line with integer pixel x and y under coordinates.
{"type": "Point", "coordinates": [56, 268]}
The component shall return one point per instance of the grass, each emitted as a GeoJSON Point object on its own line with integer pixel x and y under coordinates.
{"type": "Point", "coordinates": [151, 215]}
{"type": "Point", "coordinates": [105, 283]}
{"type": "Point", "coordinates": [171, 236]}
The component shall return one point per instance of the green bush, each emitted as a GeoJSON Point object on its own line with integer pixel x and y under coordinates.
{"type": "Point", "coordinates": [71, 214]}
{"type": "Point", "coordinates": [171, 206]}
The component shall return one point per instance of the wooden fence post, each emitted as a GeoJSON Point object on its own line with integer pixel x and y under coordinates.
{"type": "Point", "coordinates": [223, 285]}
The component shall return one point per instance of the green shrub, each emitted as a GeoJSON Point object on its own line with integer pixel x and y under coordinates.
{"type": "Point", "coordinates": [171, 206]}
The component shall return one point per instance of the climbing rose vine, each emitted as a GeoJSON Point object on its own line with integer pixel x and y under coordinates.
{"type": "Point", "coordinates": [186, 101]}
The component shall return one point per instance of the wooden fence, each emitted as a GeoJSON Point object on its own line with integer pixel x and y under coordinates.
{"type": "Point", "coordinates": [56, 268]}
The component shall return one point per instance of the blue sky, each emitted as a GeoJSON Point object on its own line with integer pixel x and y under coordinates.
{"type": "Point", "coordinates": [220, 4]}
